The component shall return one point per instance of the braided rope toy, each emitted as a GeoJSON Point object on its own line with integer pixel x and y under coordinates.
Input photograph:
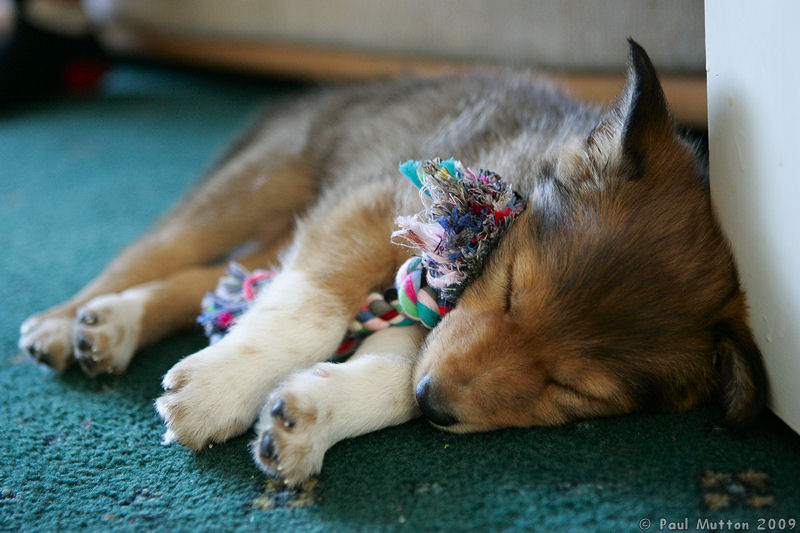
{"type": "Point", "coordinates": [234, 295]}
{"type": "Point", "coordinates": [465, 214]}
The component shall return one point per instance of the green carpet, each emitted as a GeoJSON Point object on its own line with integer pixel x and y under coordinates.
{"type": "Point", "coordinates": [81, 178]}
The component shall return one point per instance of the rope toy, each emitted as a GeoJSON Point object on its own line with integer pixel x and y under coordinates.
{"type": "Point", "coordinates": [465, 214]}
{"type": "Point", "coordinates": [238, 288]}
{"type": "Point", "coordinates": [418, 300]}
{"type": "Point", "coordinates": [234, 295]}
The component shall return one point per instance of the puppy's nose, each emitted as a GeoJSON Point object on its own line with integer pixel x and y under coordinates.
{"type": "Point", "coordinates": [431, 404]}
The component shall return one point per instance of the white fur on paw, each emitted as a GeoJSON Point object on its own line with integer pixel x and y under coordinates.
{"type": "Point", "coordinates": [292, 434]}
{"type": "Point", "coordinates": [323, 404]}
{"type": "Point", "coordinates": [218, 392]}
{"type": "Point", "coordinates": [47, 339]}
{"type": "Point", "coordinates": [209, 398]}
{"type": "Point", "coordinates": [106, 332]}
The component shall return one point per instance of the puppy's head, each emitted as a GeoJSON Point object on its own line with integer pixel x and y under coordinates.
{"type": "Point", "coordinates": [613, 292]}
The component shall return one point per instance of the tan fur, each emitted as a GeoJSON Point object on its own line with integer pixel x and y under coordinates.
{"type": "Point", "coordinates": [354, 262]}
{"type": "Point", "coordinates": [613, 292]}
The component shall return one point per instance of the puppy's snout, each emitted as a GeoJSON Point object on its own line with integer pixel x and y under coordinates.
{"type": "Point", "coordinates": [431, 403]}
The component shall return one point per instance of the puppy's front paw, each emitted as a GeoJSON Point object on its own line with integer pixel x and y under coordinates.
{"type": "Point", "coordinates": [209, 398]}
{"type": "Point", "coordinates": [47, 339]}
{"type": "Point", "coordinates": [106, 333]}
{"type": "Point", "coordinates": [292, 437]}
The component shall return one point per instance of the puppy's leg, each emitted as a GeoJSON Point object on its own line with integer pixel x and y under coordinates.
{"type": "Point", "coordinates": [317, 407]}
{"type": "Point", "coordinates": [112, 327]}
{"type": "Point", "coordinates": [341, 252]}
{"type": "Point", "coordinates": [249, 198]}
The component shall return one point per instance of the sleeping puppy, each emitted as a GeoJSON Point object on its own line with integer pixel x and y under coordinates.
{"type": "Point", "coordinates": [613, 292]}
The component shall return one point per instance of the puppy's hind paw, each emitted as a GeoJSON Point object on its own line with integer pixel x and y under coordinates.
{"type": "Point", "coordinates": [106, 332]}
{"type": "Point", "coordinates": [47, 339]}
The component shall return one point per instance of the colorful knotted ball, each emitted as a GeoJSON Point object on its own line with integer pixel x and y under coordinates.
{"type": "Point", "coordinates": [417, 299]}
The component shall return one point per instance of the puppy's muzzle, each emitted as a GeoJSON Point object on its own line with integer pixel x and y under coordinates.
{"type": "Point", "coordinates": [431, 403]}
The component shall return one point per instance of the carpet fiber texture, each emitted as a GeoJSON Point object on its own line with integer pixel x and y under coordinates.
{"type": "Point", "coordinates": [81, 178]}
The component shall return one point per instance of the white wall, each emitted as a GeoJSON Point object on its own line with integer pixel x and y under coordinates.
{"type": "Point", "coordinates": [752, 51]}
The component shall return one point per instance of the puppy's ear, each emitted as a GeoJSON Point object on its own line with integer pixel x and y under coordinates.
{"type": "Point", "coordinates": [742, 379]}
{"type": "Point", "coordinates": [647, 123]}
{"type": "Point", "coordinates": [639, 126]}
